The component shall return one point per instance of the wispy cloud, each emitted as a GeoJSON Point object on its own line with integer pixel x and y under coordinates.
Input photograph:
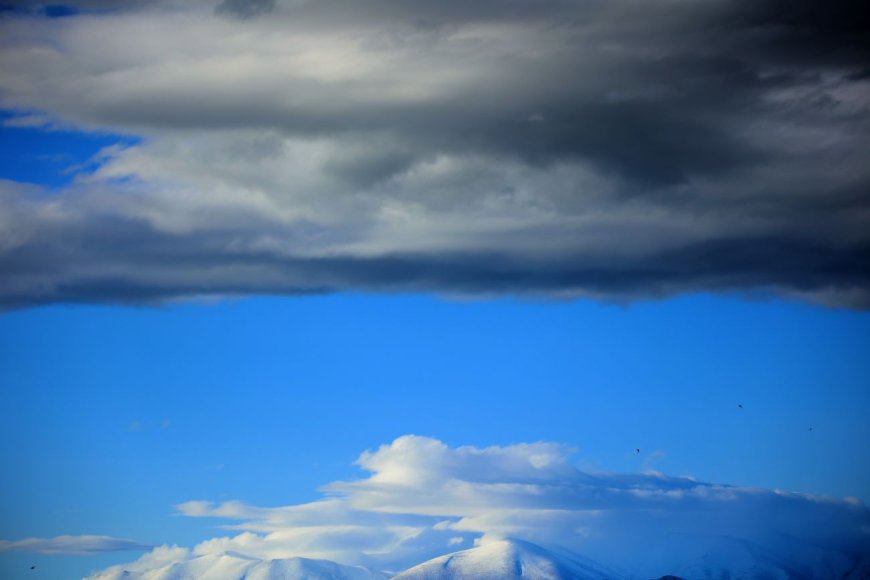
{"type": "Point", "coordinates": [73, 545]}
{"type": "Point", "coordinates": [423, 498]}
{"type": "Point", "coordinates": [616, 150]}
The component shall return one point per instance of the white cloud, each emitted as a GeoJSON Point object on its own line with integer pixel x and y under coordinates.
{"type": "Point", "coordinates": [423, 498]}
{"type": "Point", "coordinates": [72, 545]}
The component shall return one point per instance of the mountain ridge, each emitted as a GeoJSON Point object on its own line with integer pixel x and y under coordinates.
{"type": "Point", "coordinates": [514, 559]}
{"type": "Point", "coordinates": [506, 560]}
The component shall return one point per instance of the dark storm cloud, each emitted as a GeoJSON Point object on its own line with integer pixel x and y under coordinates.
{"type": "Point", "coordinates": [124, 262]}
{"type": "Point", "coordinates": [618, 150]}
{"type": "Point", "coordinates": [804, 31]}
{"type": "Point", "coordinates": [245, 8]}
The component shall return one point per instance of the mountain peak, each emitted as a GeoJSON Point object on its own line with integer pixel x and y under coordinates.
{"type": "Point", "coordinates": [506, 560]}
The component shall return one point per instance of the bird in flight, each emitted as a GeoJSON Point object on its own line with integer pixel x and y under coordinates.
{"type": "Point", "coordinates": [33, 567]}
{"type": "Point", "coordinates": [739, 406]}
{"type": "Point", "coordinates": [811, 428]}
{"type": "Point", "coordinates": [636, 451]}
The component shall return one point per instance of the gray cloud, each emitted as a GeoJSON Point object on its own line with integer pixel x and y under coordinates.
{"type": "Point", "coordinates": [245, 8]}
{"type": "Point", "coordinates": [604, 149]}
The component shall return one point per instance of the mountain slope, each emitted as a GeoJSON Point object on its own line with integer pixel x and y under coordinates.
{"type": "Point", "coordinates": [715, 557]}
{"type": "Point", "coordinates": [236, 567]}
{"type": "Point", "coordinates": [505, 560]}
{"type": "Point", "coordinates": [694, 557]}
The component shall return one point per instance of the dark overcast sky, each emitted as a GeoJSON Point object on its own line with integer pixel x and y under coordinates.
{"type": "Point", "coordinates": [613, 149]}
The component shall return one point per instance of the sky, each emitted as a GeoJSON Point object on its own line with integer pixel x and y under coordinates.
{"type": "Point", "coordinates": [372, 281]}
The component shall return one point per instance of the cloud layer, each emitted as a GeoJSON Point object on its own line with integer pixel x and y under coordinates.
{"type": "Point", "coordinates": [617, 150]}
{"type": "Point", "coordinates": [72, 545]}
{"type": "Point", "coordinates": [422, 499]}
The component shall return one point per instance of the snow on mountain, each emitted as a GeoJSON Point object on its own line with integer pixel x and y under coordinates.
{"type": "Point", "coordinates": [712, 558]}
{"type": "Point", "coordinates": [505, 560]}
{"type": "Point", "coordinates": [704, 558]}
{"type": "Point", "coordinates": [238, 567]}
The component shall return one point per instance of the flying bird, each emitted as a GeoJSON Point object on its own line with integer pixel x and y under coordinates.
{"type": "Point", "coordinates": [636, 451]}
{"type": "Point", "coordinates": [33, 567]}
{"type": "Point", "coordinates": [739, 406]}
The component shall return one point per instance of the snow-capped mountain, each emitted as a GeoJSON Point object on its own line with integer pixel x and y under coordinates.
{"type": "Point", "coordinates": [505, 560]}
{"type": "Point", "coordinates": [706, 558]}
{"type": "Point", "coordinates": [237, 567]}
{"type": "Point", "coordinates": [701, 558]}
{"type": "Point", "coordinates": [784, 558]}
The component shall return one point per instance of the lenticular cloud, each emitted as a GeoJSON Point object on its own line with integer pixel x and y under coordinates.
{"type": "Point", "coordinates": [72, 545]}
{"type": "Point", "coordinates": [423, 499]}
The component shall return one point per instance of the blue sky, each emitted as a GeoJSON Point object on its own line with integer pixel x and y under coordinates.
{"type": "Point", "coordinates": [49, 158]}
{"type": "Point", "coordinates": [246, 249]}
{"type": "Point", "coordinates": [130, 411]}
